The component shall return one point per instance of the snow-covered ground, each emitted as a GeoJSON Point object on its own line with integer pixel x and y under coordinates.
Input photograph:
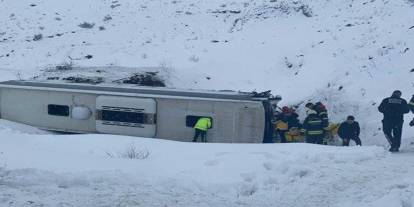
{"type": "Point", "coordinates": [348, 54]}
{"type": "Point", "coordinates": [93, 170]}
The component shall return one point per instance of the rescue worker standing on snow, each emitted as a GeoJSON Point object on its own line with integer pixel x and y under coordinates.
{"type": "Point", "coordinates": [313, 127]}
{"type": "Point", "coordinates": [322, 112]}
{"type": "Point", "coordinates": [286, 120]}
{"type": "Point", "coordinates": [411, 106]}
{"type": "Point", "coordinates": [293, 119]}
{"type": "Point", "coordinates": [201, 127]}
{"type": "Point", "coordinates": [349, 130]}
{"type": "Point", "coordinates": [393, 109]}
{"type": "Point", "coordinates": [282, 124]}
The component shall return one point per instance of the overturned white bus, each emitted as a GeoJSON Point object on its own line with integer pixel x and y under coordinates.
{"type": "Point", "coordinates": [136, 111]}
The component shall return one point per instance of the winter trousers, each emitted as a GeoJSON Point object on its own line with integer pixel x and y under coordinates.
{"type": "Point", "coordinates": [202, 133]}
{"type": "Point", "coordinates": [393, 131]}
{"type": "Point", "coordinates": [314, 139]}
{"type": "Point", "coordinates": [345, 142]}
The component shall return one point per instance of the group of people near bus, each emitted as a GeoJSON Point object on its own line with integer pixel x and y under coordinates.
{"type": "Point", "coordinates": [316, 128]}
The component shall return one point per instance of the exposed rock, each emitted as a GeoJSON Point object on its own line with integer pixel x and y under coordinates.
{"type": "Point", "coordinates": [86, 25]}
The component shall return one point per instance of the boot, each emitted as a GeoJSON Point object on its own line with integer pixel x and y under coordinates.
{"type": "Point", "coordinates": [394, 150]}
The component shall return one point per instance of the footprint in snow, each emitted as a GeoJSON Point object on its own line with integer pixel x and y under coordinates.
{"type": "Point", "coordinates": [218, 154]}
{"type": "Point", "coordinates": [248, 177]}
{"type": "Point", "coordinates": [264, 154]}
{"type": "Point", "coordinates": [212, 163]}
{"type": "Point", "coordinates": [268, 166]}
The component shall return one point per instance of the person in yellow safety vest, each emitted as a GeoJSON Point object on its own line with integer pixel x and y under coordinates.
{"type": "Point", "coordinates": [295, 135]}
{"type": "Point", "coordinates": [313, 127]}
{"type": "Point", "coordinates": [282, 123]}
{"type": "Point", "coordinates": [201, 127]}
{"type": "Point", "coordinates": [332, 130]}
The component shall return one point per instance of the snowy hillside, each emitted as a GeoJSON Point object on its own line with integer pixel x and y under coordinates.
{"type": "Point", "coordinates": [349, 54]}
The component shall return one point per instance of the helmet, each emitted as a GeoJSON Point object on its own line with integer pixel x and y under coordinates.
{"type": "Point", "coordinates": [310, 112]}
{"type": "Point", "coordinates": [285, 109]}
{"type": "Point", "coordinates": [277, 97]}
{"type": "Point", "coordinates": [309, 105]}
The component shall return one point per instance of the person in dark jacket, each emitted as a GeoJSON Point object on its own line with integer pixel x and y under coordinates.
{"type": "Point", "coordinates": [320, 108]}
{"type": "Point", "coordinates": [283, 120]}
{"type": "Point", "coordinates": [393, 109]}
{"type": "Point", "coordinates": [349, 130]}
{"type": "Point", "coordinates": [313, 127]}
{"type": "Point", "coordinates": [293, 119]}
{"type": "Point", "coordinates": [411, 106]}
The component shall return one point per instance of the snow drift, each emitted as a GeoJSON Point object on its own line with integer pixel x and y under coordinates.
{"type": "Point", "coordinates": [92, 170]}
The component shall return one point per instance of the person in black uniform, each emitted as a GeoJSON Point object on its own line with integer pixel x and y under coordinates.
{"type": "Point", "coordinates": [393, 109]}
{"type": "Point", "coordinates": [293, 119]}
{"type": "Point", "coordinates": [320, 108]}
{"type": "Point", "coordinates": [349, 130]}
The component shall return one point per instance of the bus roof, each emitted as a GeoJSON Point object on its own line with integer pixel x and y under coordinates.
{"type": "Point", "coordinates": [128, 90]}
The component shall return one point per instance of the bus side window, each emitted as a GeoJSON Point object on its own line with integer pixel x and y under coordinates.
{"type": "Point", "coordinates": [57, 110]}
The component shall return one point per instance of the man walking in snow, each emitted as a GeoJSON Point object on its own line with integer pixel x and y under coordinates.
{"type": "Point", "coordinates": [393, 109]}
{"type": "Point", "coordinates": [349, 130]}
{"type": "Point", "coordinates": [411, 106]}
{"type": "Point", "coordinates": [201, 127]}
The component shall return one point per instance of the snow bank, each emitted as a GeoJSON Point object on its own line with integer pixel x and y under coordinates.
{"type": "Point", "coordinates": [89, 170]}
